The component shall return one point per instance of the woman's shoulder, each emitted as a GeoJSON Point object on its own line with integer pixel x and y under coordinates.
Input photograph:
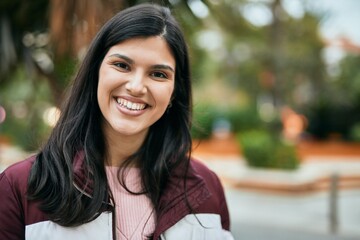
{"type": "Point", "coordinates": [204, 171]}
{"type": "Point", "coordinates": [200, 166]}
{"type": "Point", "coordinates": [217, 201]}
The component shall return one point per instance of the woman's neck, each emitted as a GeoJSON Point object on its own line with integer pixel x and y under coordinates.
{"type": "Point", "coordinates": [120, 147]}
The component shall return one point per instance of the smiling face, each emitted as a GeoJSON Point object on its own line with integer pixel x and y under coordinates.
{"type": "Point", "coordinates": [136, 82]}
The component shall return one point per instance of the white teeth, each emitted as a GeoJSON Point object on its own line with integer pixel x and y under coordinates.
{"type": "Point", "coordinates": [130, 105]}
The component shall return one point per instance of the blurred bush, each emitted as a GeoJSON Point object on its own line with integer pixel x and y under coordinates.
{"type": "Point", "coordinates": [328, 117]}
{"type": "Point", "coordinates": [206, 115]}
{"type": "Point", "coordinates": [355, 132]}
{"type": "Point", "coordinates": [203, 117]}
{"type": "Point", "coordinates": [262, 149]}
{"type": "Point", "coordinates": [242, 119]}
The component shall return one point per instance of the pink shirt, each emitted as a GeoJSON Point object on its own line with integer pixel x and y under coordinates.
{"type": "Point", "coordinates": [135, 215]}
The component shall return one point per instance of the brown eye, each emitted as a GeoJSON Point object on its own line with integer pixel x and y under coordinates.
{"type": "Point", "coordinates": [159, 75]}
{"type": "Point", "coordinates": [122, 65]}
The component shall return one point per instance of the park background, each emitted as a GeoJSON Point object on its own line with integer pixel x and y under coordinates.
{"type": "Point", "coordinates": [276, 100]}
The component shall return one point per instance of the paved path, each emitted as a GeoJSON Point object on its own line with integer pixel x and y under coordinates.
{"type": "Point", "coordinates": [264, 216]}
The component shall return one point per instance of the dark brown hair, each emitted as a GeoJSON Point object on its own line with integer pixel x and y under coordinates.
{"type": "Point", "coordinates": [167, 145]}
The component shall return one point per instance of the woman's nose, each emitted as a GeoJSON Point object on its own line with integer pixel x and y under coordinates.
{"type": "Point", "coordinates": [136, 85]}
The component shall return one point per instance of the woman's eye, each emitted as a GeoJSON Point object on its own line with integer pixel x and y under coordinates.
{"type": "Point", "coordinates": [159, 75]}
{"type": "Point", "coordinates": [122, 65]}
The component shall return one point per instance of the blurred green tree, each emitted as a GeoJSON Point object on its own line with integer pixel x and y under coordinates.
{"type": "Point", "coordinates": [41, 43]}
{"type": "Point", "coordinates": [236, 62]}
{"type": "Point", "coordinates": [266, 65]}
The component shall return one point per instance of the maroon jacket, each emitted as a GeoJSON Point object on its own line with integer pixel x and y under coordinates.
{"type": "Point", "coordinates": [21, 218]}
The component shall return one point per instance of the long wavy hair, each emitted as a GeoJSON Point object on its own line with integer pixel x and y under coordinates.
{"type": "Point", "coordinates": [166, 147]}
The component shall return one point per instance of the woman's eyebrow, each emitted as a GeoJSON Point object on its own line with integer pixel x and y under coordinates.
{"type": "Point", "coordinates": [156, 66]}
{"type": "Point", "coordinates": [163, 66]}
{"type": "Point", "coordinates": [126, 58]}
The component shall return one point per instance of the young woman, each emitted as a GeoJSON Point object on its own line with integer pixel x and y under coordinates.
{"type": "Point", "coordinates": [117, 164]}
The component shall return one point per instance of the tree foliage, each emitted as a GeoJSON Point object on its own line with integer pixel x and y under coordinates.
{"type": "Point", "coordinates": [234, 61]}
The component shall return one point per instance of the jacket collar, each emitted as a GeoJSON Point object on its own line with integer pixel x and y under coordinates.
{"type": "Point", "coordinates": [174, 202]}
{"type": "Point", "coordinates": [176, 199]}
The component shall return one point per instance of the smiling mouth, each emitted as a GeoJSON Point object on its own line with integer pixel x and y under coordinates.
{"type": "Point", "coordinates": [131, 105]}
